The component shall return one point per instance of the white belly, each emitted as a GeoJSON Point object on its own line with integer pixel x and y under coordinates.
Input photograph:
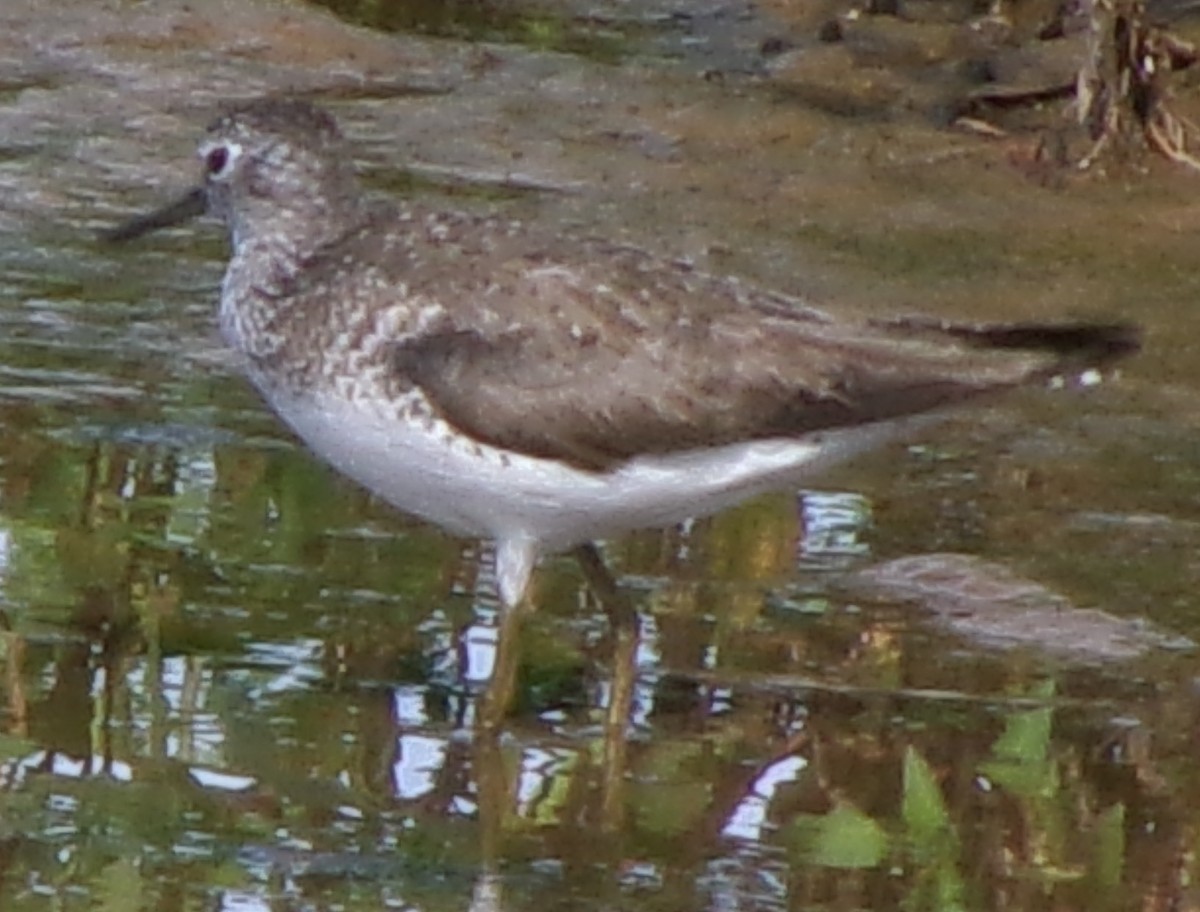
{"type": "Point", "coordinates": [473, 489]}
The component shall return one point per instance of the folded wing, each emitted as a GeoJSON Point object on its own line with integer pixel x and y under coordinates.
{"type": "Point", "coordinates": [621, 362]}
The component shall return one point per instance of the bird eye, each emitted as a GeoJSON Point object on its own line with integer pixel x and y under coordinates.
{"type": "Point", "coordinates": [219, 158]}
{"type": "Point", "coordinates": [216, 160]}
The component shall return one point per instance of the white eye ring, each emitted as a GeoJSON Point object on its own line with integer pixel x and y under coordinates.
{"type": "Point", "coordinates": [219, 159]}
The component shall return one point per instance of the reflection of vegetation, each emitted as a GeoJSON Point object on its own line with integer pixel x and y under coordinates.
{"type": "Point", "coordinates": [1021, 760]}
{"type": "Point", "coordinates": [843, 838]}
{"type": "Point", "coordinates": [259, 677]}
{"type": "Point", "coordinates": [1017, 828]}
{"type": "Point", "coordinates": [932, 846]}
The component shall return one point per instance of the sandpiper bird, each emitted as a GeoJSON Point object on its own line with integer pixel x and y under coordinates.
{"type": "Point", "coordinates": [505, 382]}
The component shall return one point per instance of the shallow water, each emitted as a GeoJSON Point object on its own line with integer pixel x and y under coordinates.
{"type": "Point", "coordinates": [232, 681]}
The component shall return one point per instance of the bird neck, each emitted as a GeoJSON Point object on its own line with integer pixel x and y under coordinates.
{"type": "Point", "coordinates": [280, 237]}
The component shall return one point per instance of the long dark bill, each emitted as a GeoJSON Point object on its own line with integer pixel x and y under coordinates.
{"type": "Point", "coordinates": [186, 207]}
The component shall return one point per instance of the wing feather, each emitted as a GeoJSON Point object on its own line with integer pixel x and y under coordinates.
{"type": "Point", "coordinates": [622, 360]}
